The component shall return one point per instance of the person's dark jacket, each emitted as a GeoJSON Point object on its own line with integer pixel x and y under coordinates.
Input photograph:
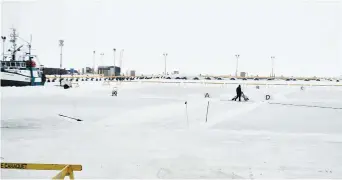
{"type": "Point", "coordinates": [238, 90]}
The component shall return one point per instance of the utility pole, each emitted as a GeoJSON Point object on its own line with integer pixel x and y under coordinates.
{"type": "Point", "coordinates": [114, 50]}
{"type": "Point", "coordinates": [165, 55]}
{"type": "Point", "coordinates": [121, 56]}
{"type": "Point", "coordinates": [237, 64]}
{"type": "Point", "coordinates": [102, 64]}
{"type": "Point", "coordinates": [61, 44]}
{"type": "Point", "coordinates": [3, 46]}
{"type": "Point", "coordinates": [272, 72]}
{"type": "Point", "coordinates": [94, 62]}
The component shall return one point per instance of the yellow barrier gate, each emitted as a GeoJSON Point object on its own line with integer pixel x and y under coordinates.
{"type": "Point", "coordinates": [66, 169]}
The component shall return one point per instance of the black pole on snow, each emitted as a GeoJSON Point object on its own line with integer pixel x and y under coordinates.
{"type": "Point", "coordinates": [70, 117]}
{"type": "Point", "coordinates": [206, 118]}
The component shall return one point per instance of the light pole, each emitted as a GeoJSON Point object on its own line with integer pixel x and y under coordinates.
{"type": "Point", "coordinates": [237, 64]}
{"type": "Point", "coordinates": [3, 46]}
{"type": "Point", "coordinates": [121, 56]}
{"type": "Point", "coordinates": [94, 56]}
{"type": "Point", "coordinates": [61, 44]}
{"type": "Point", "coordinates": [165, 55]}
{"type": "Point", "coordinates": [102, 64]}
{"type": "Point", "coordinates": [272, 72]}
{"type": "Point", "coordinates": [114, 50]}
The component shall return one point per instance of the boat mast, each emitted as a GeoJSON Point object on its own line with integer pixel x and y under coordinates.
{"type": "Point", "coordinates": [30, 60]}
{"type": "Point", "coordinates": [13, 40]}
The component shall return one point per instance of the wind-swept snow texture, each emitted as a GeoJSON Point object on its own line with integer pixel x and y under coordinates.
{"type": "Point", "coordinates": [143, 132]}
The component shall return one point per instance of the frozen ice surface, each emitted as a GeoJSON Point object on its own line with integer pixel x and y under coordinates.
{"type": "Point", "coordinates": [143, 132]}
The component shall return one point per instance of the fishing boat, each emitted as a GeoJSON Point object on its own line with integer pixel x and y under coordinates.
{"type": "Point", "coordinates": [21, 71]}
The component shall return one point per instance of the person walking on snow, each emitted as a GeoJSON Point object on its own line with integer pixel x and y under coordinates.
{"type": "Point", "coordinates": [238, 93]}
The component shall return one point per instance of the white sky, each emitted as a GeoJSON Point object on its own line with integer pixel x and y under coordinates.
{"type": "Point", "coordinates": [200, 36]}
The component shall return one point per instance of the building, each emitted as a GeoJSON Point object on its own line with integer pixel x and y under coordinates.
{"type": "Point", "coordinates": [109, 70]}
{"type": "Point", "coordinates": [131, 73]}
{"type": "Point", "coordinates": [54, 71]}
{"type": "Point", "coordinates": [243, 74]}
{"type": "Point", "coordinates": [175, 72]}
{"type": "Point", "coordinates": [73, 71]}
{"type": "Point", "coordinates": [87, 70]}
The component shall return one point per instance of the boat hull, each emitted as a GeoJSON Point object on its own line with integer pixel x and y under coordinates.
{"type": "Point", "coordinates": [5, 82]}
{"type": "Point", "coordinates": [18, 78]}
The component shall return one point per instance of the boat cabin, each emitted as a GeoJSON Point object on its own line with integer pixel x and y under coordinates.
{"type": "Point", "coordinates": [17, 64]}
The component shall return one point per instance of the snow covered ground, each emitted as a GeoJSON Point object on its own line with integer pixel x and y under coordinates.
{"type": "Point", "coordinates": [144, 132]}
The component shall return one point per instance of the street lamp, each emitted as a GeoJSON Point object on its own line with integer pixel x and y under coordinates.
{"type": "Point", "coordinates": [237, 64]}
{"type": "Point", "coordinates": [114, 50]}
{"type": "Point", "coordinates": [165, 55]}
{"type": "Point", "coordinates": [102, 64]}
{"type": "Point", "coordinates": [272, 72]}
{"type": "Point", "coordinates": [121, 56]}
{"type": "Point", "coordinates": [61, 44]}
{"type": "Point", "coordinates": [3, 47]}
{"type": "Point", "coordinates": [94, 62]}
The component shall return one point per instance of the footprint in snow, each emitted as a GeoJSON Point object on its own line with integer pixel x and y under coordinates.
{"type": "Point", "coordinates": [162, 173]}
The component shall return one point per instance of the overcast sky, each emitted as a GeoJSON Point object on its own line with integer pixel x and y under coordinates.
{"type": "Point", "coordinates": [200, 36]}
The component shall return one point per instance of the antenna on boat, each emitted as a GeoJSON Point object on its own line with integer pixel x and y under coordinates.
{"type": "Point", "coordinates": [13, 40]}
{"type": "Point", "coordinates": [3, 47]}
{"type": "Point", "coordinates": [30, 39]}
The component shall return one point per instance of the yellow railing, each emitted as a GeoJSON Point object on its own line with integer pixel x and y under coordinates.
{"type": "Point", "coordinates": [66, 169]}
